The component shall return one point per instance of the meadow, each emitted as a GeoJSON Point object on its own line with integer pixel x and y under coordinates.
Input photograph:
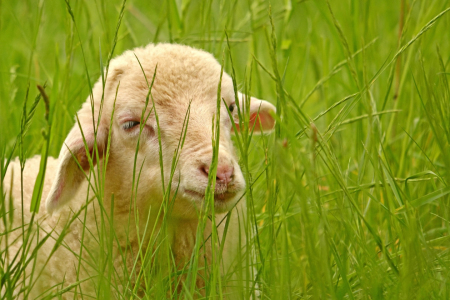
{"type": "Point", "coordinates": [348, 198]}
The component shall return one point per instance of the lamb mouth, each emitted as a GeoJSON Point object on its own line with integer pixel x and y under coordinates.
{"type": "Point", "coordinates": [222, 197]}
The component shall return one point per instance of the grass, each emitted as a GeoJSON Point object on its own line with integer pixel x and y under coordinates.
{"type": "Point", "coordinates": [347, 199]}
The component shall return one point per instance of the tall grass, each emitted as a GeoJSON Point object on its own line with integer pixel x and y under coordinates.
{"type": "Point", "coordinates": [349, 198]}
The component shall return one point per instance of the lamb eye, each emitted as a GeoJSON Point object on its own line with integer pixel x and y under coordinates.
{"type": "Point", "coordinates": [231, 107]}
{"type": "Point", "coordinates": [130, 124]}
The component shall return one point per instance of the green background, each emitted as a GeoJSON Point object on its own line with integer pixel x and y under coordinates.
{"type": "Point", "coordinates": [353, 201]}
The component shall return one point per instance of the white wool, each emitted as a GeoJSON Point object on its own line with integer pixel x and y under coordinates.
{"type": "Point", "coordinates": [184, 77]}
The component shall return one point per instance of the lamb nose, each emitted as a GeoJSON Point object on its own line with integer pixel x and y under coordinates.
{"type": "Point", "coordinates": [224, 173]}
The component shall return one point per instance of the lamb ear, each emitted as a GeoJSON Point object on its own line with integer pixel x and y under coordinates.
{"type": "Point", "coordinates": [73, 155]}
{"type": "Point", "coordinates": [260, 118]}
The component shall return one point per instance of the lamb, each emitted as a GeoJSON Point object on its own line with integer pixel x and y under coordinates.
{"type": "Point", "coordinates": [113, 154]}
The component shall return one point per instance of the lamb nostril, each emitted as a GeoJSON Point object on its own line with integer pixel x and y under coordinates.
{"type": "Point", "coordinates": [205, 170]}
{"type": "Point", "coordinates": [225, 173]}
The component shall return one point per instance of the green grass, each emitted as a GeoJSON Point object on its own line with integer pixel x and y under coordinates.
{"type": "Point", "coordinates": [349, 195]}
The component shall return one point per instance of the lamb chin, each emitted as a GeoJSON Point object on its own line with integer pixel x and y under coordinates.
{"type": "Point", "coordinates": [225, 204]}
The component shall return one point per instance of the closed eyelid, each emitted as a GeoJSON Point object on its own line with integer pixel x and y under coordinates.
{"type": "Point", "coordinates": [127, 117]}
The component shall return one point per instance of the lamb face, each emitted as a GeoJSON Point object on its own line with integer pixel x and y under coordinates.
{"type": "Point", "coordinates": [186, 79]}
{"type": "Point", "coordinates": [191, 175]}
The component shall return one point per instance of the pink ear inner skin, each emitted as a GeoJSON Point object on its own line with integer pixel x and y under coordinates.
{"type": "Point", "coordinates": [254, 117]}
{"type": "Point", "coordinates": [262, 119]}
{"type": "Point", "coordinates": [267, 121]}
{"type": "Point", "coordinates": [83, 160]}
{"type": "Point", "coordinates": [251, 121]}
